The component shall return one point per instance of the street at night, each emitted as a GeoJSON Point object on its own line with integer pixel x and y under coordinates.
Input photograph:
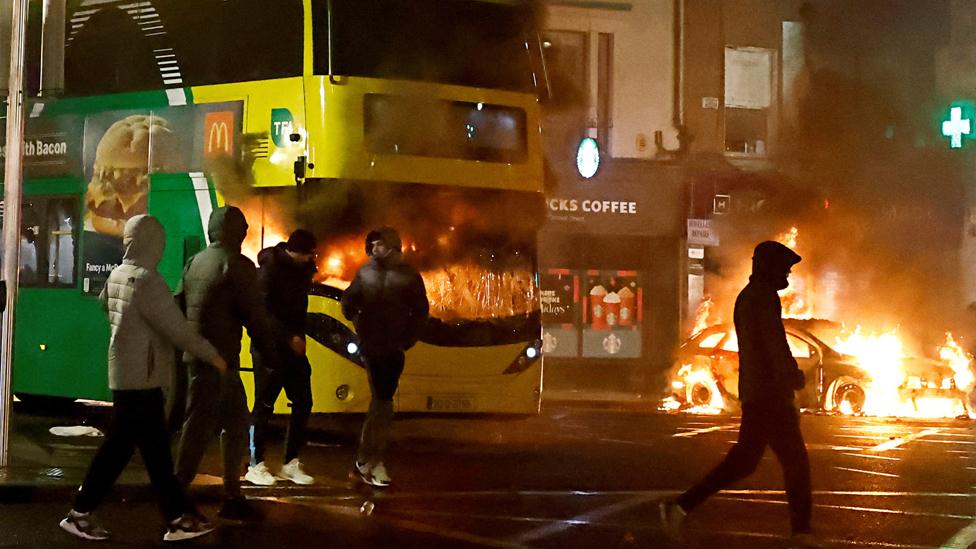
{"type": "Point", "coordinates": [575, 476]}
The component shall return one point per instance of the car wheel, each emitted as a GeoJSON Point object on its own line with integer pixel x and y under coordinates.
{"type": "Point", "coordinates": [846, 395]}
{"type": "Point", "coordinates": [700, 394]}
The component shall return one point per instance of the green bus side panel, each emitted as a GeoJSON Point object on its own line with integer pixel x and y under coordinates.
{"type": "Point", "coordinates": [172, 200]}
{"type": "Point", "coordinates": [121, 101]}
{"type": "Point", "coordinates": [60, 345]}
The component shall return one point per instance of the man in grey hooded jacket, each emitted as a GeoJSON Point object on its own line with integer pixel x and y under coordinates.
{"type": "Point", "coordinates": [221, 296]}
{"type": "Point", "coordinates": [146, 324]}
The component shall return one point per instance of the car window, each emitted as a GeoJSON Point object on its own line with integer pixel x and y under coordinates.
{"type": "Point", "coordinates": [711, 340]}
{"type": "Point", "coordinates": [732, 343]}
{"type": "Point", "coordinates": [798, 347]}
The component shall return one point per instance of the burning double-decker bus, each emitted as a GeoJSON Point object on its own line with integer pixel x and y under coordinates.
{"type": "Point", "coordinates": [849, 369]}
{"type": "Point", "coordinates": [342, 116]}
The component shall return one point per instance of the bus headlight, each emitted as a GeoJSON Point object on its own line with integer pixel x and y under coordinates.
{"type": "Point", "coordinates": [352, 347]}
{"type": "Point", "coordinates": [531, 353]}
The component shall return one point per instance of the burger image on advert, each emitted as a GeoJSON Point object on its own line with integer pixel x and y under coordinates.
{"type": "Point", "coordinates": [119, 187]}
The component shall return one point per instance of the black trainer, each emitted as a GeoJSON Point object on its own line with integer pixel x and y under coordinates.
{"type": "Point", "coordinates": [84, 526]}
{"type": "Point", "coordinates": [237, 508]}
{"type": "Point", "coordinates": [187, 527]}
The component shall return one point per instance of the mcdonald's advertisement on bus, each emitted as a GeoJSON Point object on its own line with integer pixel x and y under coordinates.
{"type": "Point", "coordinates": [116, 153]}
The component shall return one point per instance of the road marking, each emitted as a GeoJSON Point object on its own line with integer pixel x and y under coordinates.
{"type": "Point", "coordinates": [585, 518]}
{"type": "Point", "coordinates": [832, 542]}
{"type": "Point", "coordinates": [963, 539]}
{"type": "Point", "coordinates": [889, 458]}
{"type": "Point", "coordinates": [866, 437]}
{"type": "Point", "coordinates": [885, 446]}
{"type": "Point", "coordinates": [402, 523]}
{"type": "Point", "coordinates": [882, 510]}
{"type": "Point", "coordinates": [704, 430]}
{"type": "Point", "coordinates": [866, 472]}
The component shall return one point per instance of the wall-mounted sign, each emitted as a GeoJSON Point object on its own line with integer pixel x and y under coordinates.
{"type": "Point", "coordinates": [587, 157]}
{"type": "Point", "coordinates": [721, 204]}
{"type": "Point", "coordinates": [700, 232]}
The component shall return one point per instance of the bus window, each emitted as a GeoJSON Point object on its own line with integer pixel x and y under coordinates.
{"type": "Point", "coordinates": [61, 220]}
{"type": "Point", "coordinates": [48, 242]}
{"type": "Point", "coordinates": [128, 46]}
{"type": "Point", "coordinates": [109, 54]}
{"type": "Point", "coordinates": [30, 231]}
{"type": "Point", "coordinates": [218, 41]}
{"type": "Point", "coordinates": [464, 42]}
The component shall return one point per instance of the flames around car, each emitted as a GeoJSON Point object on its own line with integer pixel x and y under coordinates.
{"type": "Point", "coordinates": [858, 373]}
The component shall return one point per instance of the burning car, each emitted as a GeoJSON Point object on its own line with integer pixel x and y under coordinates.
{"type": "Point", "coordinates": [857, 374]}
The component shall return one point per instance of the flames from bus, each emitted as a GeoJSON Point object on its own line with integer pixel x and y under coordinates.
{"type": "Point", "coordinates": [456, 290]}
{"type": "Point", "coordinates": [895, 383]}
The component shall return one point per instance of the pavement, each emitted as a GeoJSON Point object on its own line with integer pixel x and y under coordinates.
{"type": "Point", "coordinates": [574, 476]}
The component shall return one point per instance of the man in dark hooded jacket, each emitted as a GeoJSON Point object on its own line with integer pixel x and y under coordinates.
{"type": "Point", "coordinates": [285, 272]}
{"type": "Point", "coordinates": [387, 303]}
{"type": "Point", "coordinates": [220, 294]}
{"type": "Point", "coordinates": [768, 376]}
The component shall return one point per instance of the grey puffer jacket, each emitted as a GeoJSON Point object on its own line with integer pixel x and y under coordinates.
{"type": "Point", "coordinates": [146, 323]}
{"type": "Point", "coordinates": [220, 291]}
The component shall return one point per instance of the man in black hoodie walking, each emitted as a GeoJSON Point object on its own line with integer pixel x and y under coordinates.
{"type": "Point", "coordinates": [768, 376]}
{"type": "Point", "coordinates": [285, 272]}
{"type": "Point", "coordinates": [387, 303]}
{"type": "Point", "coordinates": [221, 295]}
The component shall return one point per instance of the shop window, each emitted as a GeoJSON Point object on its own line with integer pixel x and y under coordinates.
{"type": "Point", "coordinates": [612, 314]}
{"type": "Point", "coordinates": [748, 99]}
{"type": "Point", "coordinates": [559, 291]}
{"type": "Point", "coordinates": [567, 55]}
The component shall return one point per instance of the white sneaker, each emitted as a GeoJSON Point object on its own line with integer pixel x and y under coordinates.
{"type": "Point", "coordinates": [259, 475]}
{"type": "Point", "coordinates": [672, 517]}
{"type": "Point", "coordinates": [293, 471]}
{"type": "Point", "coordinates": [377, 476]}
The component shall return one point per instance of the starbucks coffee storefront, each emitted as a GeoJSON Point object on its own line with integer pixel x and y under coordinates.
{"type": "Point", "coordinates": [610, 275]}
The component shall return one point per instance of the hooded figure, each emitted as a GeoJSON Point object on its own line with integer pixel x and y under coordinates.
{"type": "Point", "coordinates": [387, 303]}
{"type": "Point", "coordinates": [221, 296]}
{"type": "Point", "coordinates": [146, 323]}
{"type": "Point", "coordinates": [768, 375]}
{"type": "Point", "coordinates": [767, 369]}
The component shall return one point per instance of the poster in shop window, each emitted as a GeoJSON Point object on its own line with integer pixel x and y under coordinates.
{"type": "Point", "coordinates": [559, 290]}
{"type": "Point", "coordinates": [612, 314]}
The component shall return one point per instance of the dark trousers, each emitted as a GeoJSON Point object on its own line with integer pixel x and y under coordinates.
{"type": "Point", "coordinates": [216, 404]}
{"type": "Point", "coordinates": [384, 377]}
{"type": "Point", "coordinates": [774, 425]}
{"type": "Point", "coordinates": [138, 421]}
{"type": "Point", "coordinates": [292, 373]}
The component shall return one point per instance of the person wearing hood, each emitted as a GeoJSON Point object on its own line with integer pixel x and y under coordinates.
{"type": "Point", "coordinates": [221, 296]}
{"type": "Point", "coordinates": [387, 303]}
{"type": "Point", "coordinates": [145, 324]}
{"type": "Point", "coordinates": [768, 377]}
{"type": "Point", "coordinates": [285, 273]}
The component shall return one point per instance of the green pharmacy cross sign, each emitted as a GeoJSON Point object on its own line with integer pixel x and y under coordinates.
{"type": "Point", "coordinates": [956, 127]}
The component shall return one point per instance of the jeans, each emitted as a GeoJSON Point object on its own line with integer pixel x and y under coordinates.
{"type": "Point", "coordinates": [384, 377]}
{"type": "Point", "coordinates": [776, 425]}
{"type": "Point", "coordinates": [292, 373]}
{"type": "Point", "coordinates": [138, 421]}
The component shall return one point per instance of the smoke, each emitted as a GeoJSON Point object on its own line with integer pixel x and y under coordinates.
{"type": "Point", "coordinates": [877, 198]}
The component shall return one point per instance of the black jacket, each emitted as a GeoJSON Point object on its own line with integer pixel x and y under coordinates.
{"type": "Point", "coordinates": [768, 373]}
{"type": "Point", "coordinates": [219, 290]}
{"type": "Point", "coordinates": [387, 303]}
{"type": "Point", "coordinates": [285, 285]}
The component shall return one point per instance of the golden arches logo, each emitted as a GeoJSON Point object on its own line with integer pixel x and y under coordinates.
{"type": "Point", "coordinates": [219, 136]}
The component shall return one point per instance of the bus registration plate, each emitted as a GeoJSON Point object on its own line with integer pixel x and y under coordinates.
{"type": "Point", "coordinates": [450, 403]}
